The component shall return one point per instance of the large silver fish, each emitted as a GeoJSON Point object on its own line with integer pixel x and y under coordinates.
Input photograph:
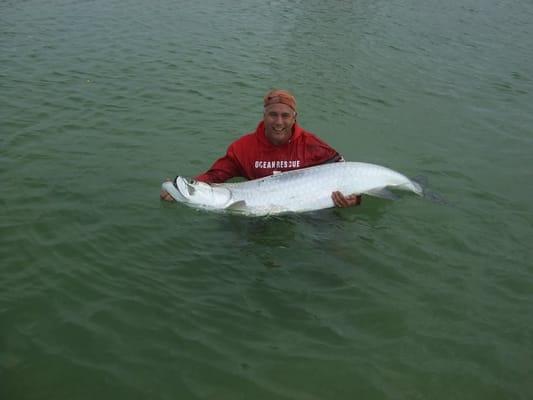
{"type": "Point", "coordinates": [299, 190]}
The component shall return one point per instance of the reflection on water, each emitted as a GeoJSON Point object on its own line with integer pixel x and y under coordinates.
{"type": "Point", "coordinates": [279, 241]}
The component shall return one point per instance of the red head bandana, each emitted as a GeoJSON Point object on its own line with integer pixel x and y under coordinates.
{"type": "Point", "coordinates": [280, 96]}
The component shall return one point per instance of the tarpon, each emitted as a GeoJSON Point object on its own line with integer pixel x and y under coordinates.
{"type": "Point", "coordinates": [299, 190]}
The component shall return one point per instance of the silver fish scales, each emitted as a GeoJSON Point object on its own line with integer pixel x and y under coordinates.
{"type": "Point", "coordinates": [299, 190]}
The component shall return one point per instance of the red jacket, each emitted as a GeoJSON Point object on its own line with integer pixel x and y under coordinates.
{"type": "Point", "coordinates": [253, 156]}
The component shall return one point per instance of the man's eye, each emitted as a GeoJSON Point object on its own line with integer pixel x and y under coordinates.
{"type": "Point", "coordinates": [285, 115]}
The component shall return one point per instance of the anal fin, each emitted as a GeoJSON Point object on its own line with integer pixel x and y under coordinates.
{"type": "Point", "coordinates": [383, 193]}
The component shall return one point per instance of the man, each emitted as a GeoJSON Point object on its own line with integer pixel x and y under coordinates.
{"type": "Point", "coordinates": [278, 144]}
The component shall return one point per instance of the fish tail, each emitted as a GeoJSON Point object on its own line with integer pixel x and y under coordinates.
{"type": "Point", "coordinates": [413, 186]}
{"type": "Point", "coordinates": [416, 187]}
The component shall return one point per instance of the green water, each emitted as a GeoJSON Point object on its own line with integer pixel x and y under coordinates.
{"type": "Point", "coordinates": [105, 292]}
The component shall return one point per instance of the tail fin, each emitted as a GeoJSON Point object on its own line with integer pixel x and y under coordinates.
{"type": "Point", "coordinates": [417, 188]}
{"type": "Point", "coordinates": [413, 186]}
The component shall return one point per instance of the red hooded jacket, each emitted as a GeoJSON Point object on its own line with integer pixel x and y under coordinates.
{"type": "Point", "coordinates": [253, 156]}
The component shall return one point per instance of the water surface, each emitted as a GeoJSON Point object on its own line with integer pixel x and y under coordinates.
{"type": "Point", "coordinates": [107, 292]}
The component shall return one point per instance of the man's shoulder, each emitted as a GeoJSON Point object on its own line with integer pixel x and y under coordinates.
{"type": "Point", "coordinates": [242, 147]}
{"type": "Point", "coordinates": [316, 149]}
{"type": "Point", "coordinates": [244, 140]}
{"type": "Point", "coordinates": [312, 138]}
{"type": "Point", "coordinates": [247, 136]}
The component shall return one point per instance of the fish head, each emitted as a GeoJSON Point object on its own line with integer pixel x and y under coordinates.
{"type": "Point", "coordinates": [203, 194]}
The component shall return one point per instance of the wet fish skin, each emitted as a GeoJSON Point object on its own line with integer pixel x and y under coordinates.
{"type": "Point", "coordinates": [299, 190]}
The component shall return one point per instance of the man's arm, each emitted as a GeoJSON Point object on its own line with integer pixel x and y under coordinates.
{"type": "Point", "coordinates": [323, 153]}
{"type": "Point", "coordinates": [222, 169]}
{"type": "Point", "coordinates": [341, 200]}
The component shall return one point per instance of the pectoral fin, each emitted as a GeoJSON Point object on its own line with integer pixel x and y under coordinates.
{"type": "Point", "coordinates": [237, 206]}
{"type": "Point", "coordinates": [383, 193]}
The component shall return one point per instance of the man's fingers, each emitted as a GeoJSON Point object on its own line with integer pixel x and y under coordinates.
{"type": "Point", "coordinates": [345, 201]}
{"type": "Point", "coordinates": [164, 195]}
{"type": "Point", "coordinates": [338, 199]}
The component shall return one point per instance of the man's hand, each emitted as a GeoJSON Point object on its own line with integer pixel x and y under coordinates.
{"type": "Point", "coordinates": [164, 194]}
{"type": "Point", "coordinates": [345, 201]}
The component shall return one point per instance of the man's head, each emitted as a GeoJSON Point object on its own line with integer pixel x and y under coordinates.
{"type": "Point", "coordinates": [279, 116]}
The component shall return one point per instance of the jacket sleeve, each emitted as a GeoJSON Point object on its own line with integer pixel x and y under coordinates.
{"type": "Point", "coordinates": [224, 168]}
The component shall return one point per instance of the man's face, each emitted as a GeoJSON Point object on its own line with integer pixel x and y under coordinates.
{"type": "Point", "coordinates": [279, 119]}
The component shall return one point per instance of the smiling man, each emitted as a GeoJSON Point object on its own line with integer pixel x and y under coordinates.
{"type": "Point", "coordinates": [278, 144]}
